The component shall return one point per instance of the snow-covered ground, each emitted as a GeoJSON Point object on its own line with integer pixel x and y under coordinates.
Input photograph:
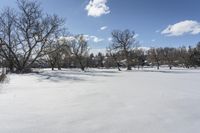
{"type": "Point", "coordinates": [101, 101]}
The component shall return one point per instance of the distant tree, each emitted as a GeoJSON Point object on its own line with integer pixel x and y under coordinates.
{"type": "Point", "coordinates": [169, 56]}
{"type": "Point", "coordinates": [196, 55]}
{"type": "Point", "coordinates": [124, 41]}
{"type": "Point", "coordinates": [183, 57]}
{"type": "Point", "coordinates": [58, 50]}
{"type": "Point", "coordinates": [154, 56]}
{"type": "Point", "coordinates": [100, 59]}
{"type": "Point", "coordinates": [191, 60]}
{"type": "Point", "coordinates": [114, 55]}
{"type": "Point", "coordinates": [140, 57]}
{"type": "Point", "coordinates": [79, 48]}
{"type": "Point", "coordinates": [91, 61]}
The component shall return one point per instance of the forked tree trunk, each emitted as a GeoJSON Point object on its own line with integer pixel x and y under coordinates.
{"type": "Point", "coordinates": [52, 66]}
{"type": "Point", "coordinates": [81, 64]}
{"type": "Point", "coordinates": [118, 66]}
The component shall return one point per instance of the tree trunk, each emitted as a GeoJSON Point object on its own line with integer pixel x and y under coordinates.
{"type": "Point", "coordinates": [119, 69]}
{"type": "Point", "coordinates": [59, 67]}
{"type": "Point", "coordinates": [128, 61]}
{"type": "Point", "coordinates": [81, 64]}
{"type": "Point", "coordinates": [129, 67]}
{"type": "Point", "coordinates": [158, 66]}
{"type": "Point", "coordinates": [52, 66]}
{"type": "Point", "coordinates": [82, 68]}
{"type": "Point", "coordinates": [102, 65]}
{"type": "Point", "coordinates": [170, 67]}
{"type": "Point", "coordinates": [20, 69]}
{"type": "Point", "coordinates": [11, 66]}
{"type": "Point", "coordinates": [118, 66]}
{"type": "Point", "coordinates": [58, 64]}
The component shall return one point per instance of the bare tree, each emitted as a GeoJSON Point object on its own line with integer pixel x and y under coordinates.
{"type": "Point", "coordinates": [91, 61]}
{"type": "Point", "coordinates": [79, 49]}
{"type": "Point", "coordinates": [155, 56]}
{"type": "Point", "coordinates": [183, 57]}
{"type": "Point", "coordinates": [2, 64]}
{"type": "Point", "coordinates": [8, 36]}
{"type": "Point", "coordinates": [113, 54]}
{"type": "Point", "coordinates": [169, 56]}
{"type": "Point", "coordinates": [30, 33]}
{"type": "Point", "coordinates": [100, 59]}
{"type": "Point", "coordinates": [54, 57]}
{"type": "Point", "coordinates": [124, 41]}
{"type": "Point", "coordinates": [195, 55]}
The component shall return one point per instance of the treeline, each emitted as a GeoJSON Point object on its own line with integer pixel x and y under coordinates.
{"type": "Point", "coordinates": [178, 57]}
{"type": "Point", "coordinates": [30, 38]}
{"type": "Point", "coordinates": [122, 52]}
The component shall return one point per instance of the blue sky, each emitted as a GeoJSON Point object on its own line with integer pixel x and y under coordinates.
{"type": "Point", "coordinates": [156, 22]}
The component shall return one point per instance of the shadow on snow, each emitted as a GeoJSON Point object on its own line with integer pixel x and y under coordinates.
{"type": "Point", "coordinates": [72, 75]}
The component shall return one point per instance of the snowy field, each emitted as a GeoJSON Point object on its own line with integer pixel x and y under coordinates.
{"type": "Point", "coordinates": [101, 101]}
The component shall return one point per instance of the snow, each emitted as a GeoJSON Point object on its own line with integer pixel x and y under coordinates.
{"type": "Point", "coordinates": [101, 101]}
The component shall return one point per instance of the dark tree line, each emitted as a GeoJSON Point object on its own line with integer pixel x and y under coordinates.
{"type": "Point", "coordinates": [173, 57]}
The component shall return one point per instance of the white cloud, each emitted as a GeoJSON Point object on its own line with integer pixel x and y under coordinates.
{"type": "Point", "coordinates": [95, 51]}
{"type": "Point", "coordinates": [67, 38]}
{"type": "Point", "coordinates": [103, 28]}
{"type": "Point", "coordinates": [96, 8]}
{"type": "Point", "coordinates": [144, 48]}
{"type": "Point", "coordinates": [153, 40]}
{"type": "Point", "coordinates": [93, 38]}
{"type": "Point", "coordinates": [183, 27]}
{"type": "Point", "coordinates": [110, 39]}
{"type": "Point", "coordinates": [136, 35]}
{"type": "Point", "coordinates": [157, 31]}
{"type": "Point", "coordinates": [96, 39]}
{"type": "Point", "coordinates": [86, 37]}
